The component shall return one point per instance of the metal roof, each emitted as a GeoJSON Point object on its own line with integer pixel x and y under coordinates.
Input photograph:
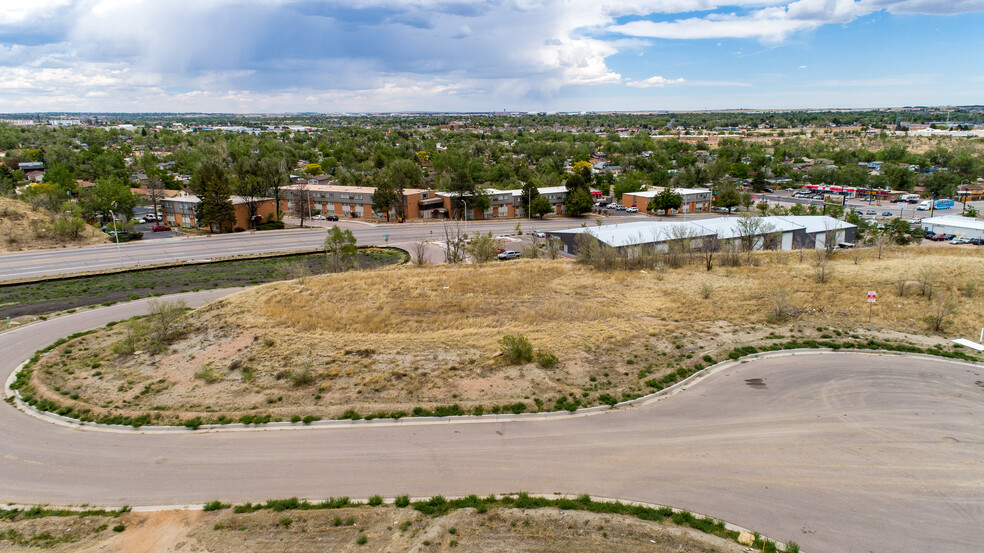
{"type": "Point", "coordinates": [725, 228]}
{"type": "Point", "coordinates": [954, 221]}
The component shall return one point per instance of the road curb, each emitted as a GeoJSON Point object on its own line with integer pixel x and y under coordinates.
{"type": "Point", "coordinates": [648, 399]}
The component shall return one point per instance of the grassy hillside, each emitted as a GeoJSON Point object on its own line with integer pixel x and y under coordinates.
{"type": "Point", "coordinates": [396, 339]}
{"type": "Point", "coordinates": [22, 228]}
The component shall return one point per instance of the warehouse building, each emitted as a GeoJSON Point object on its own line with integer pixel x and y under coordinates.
{"type": "Point", "coordinates": [964, 227]}
{"type": "Point", "coordinates": [784, 233]}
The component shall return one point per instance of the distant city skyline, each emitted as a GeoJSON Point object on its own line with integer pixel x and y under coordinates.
{"type": "Point", "coordinates": [281, 56]}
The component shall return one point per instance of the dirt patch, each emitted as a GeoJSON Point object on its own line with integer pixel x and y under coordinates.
{"type": "Point", "coordinates": [381, 528]}
{"type": "Point", "coordinates": [408, 340]}
{"type": "Point", "coordinates": [17, 233]}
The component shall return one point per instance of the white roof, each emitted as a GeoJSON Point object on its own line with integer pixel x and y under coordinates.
{"type": "Point", "coordinates": [725, 228]}
{"type": "Point", "coordinates": [955, 221]}
{"type": "Point", "coordinates": [681, 191]}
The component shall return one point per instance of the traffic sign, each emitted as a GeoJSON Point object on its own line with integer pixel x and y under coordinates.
{"type": "Point", "coordinates": [872, 296]}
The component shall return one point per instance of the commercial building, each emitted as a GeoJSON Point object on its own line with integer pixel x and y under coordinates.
{"type": "Point", "coordinates": [964, 227]}
{"type": "Point", "coordinates": [784, 233]}
{"type": "Point", "coordinates": [694, 199]}
{"type": "Point", "coordinates": [180, 212]}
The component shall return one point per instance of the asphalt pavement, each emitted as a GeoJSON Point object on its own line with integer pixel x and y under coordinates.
{"type": "Point", "coordinates": [838, 452]}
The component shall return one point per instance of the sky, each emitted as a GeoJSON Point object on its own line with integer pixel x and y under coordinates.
{"type": "Point", "coordinates": [275, 56]}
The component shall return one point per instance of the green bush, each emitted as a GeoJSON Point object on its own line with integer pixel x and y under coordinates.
{"type": "Point", "coordinates": [119, 528]}
{"type": "Point", "coordinates": [402, 501]}
{"type": "Point", "coordinates": [516, 349]}
{"type": "Point", "coordinates": [215, 506]}
{"type": "Point", "coordinates": [546, 360]}
{"type": "Point", "coordinates": [271, 225]}
{"type": "Point", "coordinates": [362, 540]}
{"type": "Point", "coordinates": [375, 500]}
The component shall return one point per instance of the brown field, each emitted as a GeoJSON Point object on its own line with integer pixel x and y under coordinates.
{"type": "Point", "coordinates": [404, 337]}
{"type": "Point", "coordinates": [16, 233]}
{"type": "Point", "coordinates": [385, 529]}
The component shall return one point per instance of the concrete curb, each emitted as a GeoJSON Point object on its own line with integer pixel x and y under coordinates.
{"type": "Point", "coordinates": [648, 399]}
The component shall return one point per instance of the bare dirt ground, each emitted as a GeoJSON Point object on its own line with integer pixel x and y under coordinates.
{"type": "Point", "coordinates": [395, 339]}
{"type": "Point", "coordinates": [16, 233]}
{"type": "Point", "coordinates": [339, 530]}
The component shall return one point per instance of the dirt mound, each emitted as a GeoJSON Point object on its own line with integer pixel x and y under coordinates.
{"type": "Point", "coordinates": [22, 228]}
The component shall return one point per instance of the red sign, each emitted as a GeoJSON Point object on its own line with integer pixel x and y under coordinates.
{"type": "Point", "coordinates": [872, 296]}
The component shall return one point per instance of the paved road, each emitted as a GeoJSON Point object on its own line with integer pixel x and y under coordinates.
{"type": "Point", "coordinates": [93, 258]}
{"type": "Point", "coordinates": [839, 452]}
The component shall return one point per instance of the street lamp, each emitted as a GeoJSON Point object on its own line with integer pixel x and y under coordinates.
{"type": "Point", "coordinates": [116, 233]}
{"type": "Point", "coordinates": [464, 203]}
{"type": "Point", "coordinates": [963, 195]}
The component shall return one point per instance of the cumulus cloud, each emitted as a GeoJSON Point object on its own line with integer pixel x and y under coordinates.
{"type": "Point", "coordinates": [403, 54]}
{"type": "Point", "coordinates": [654, 81]}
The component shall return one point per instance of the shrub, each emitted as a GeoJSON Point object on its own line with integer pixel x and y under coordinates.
{"type": "Point", "coordinates": [547, 360]}
{"type": "Point", "coordinates": [516, 349]}
{"type": "Point", "coordinates": [193, 423]}
{"type": "Point", "coordinates": [119, 528]}
{"type": "Point", "coordinates": [362, 540]}
{"type": "Point", "coordinates": [271, 225]}
{"type": "Point", "coordinates": [286, 522]}
{"type": "Point", "coordinates": [375, 500]}
{"type": "Point", "coordinates": [708, 359]}
{"type": "Point", "coordinates": [402, 501]}
{"type": "Point", "coordinates": [207, 374]}
{"type": "Point", "coordinates": [215, 506]}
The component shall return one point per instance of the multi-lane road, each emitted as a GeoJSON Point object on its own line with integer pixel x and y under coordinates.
{"type": "Point", "coordinates": [839, 452]}
{"type": "Point", "coordinates": [41, 263]}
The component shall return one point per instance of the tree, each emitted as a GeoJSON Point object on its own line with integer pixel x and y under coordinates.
{"type": "Point", "coordinates": [302, 201]}
{"type": "Point", "coordinates": [273, 173]}
{"type": "Point", "coordinates": [112, 194]}
{"type": "Point", "coordinates": [728, 196]}
{"type": "Point", "coordinates": [211, 184]}
{"type": "Point", "coordinates": [340, 249]}
{"type": "Point", "coordinates": [313, 169]}
{"type": "Point", "coordinates": [155, 186]}
{"type": "Point", "coordinates": [400, 175]}
{"type": "Point", "coordinates": [666, 201]}
{"type": "Point", "coordinates": [250, 186]}
{"type": "Point", "coordinates": [541, 206]}
{"type": "Point", "coordinates": [483, 247]}
{"type": "Point", "coordinates": [631, 181]}
{"type": "Point", "coordinates": [578, 202]}
{"type": "Point", "coordinates": [583, 169]}
{"type": "Point", "coordinates": [526, 199]}
{"type": "Point", "coordinates": [747, 201]}
{"type": "Point", "coordinates": [384, 198]}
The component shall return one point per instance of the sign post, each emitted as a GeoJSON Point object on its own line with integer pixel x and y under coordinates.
{"type": "Point", "coordinates": [872, 298]}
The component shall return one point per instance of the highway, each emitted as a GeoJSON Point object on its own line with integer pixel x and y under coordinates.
{"type": "Point", "coordinates": [39, 263]}
{"type": "Point", "coordinates": [839, 451]}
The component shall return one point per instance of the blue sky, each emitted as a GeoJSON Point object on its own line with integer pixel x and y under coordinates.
{"type": "Point", "coordinates": [462, 55]}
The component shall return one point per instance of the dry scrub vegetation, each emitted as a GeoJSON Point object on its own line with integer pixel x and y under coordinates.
{"type": "Point", "coordinates": [24, 229]}
{"type": "Point", "coordinates": [389, 341]}
{"type": "Point", "coordinates": [365, 530]}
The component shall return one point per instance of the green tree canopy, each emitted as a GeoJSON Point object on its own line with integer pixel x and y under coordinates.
{"type": "Point", "coordinates": [666, 201]}
{"type": "Point", "coordinates": [211, 184]}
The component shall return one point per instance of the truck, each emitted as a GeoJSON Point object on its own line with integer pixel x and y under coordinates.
{"type": "Point", "coordinates": [943, 203]}
{"type": "Point", "coordinates": [925, 205]}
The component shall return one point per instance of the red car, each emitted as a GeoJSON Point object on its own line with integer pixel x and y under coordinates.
{"type": "Point", "coordinates": [160, 228]}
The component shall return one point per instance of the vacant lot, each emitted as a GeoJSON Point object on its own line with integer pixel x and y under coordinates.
{"type": "Point", "coordinates": [22, 228]}
{"type": "Point", "coordinates": [342, 530]}
{"type": "Point", "coordinates": [409, 340]}
{"type": "Point", "coordinates": [39, 298]}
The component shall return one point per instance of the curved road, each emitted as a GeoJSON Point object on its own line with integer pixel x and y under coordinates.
{"type": "Point", "coordinates": [839, 452]}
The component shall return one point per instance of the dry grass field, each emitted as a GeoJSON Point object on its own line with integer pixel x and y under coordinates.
{"type": "Point", "coordinates": [16, 233]}
{"type": "Point", "coordinates": [342, 530]}
{"type": "Point", "coordinates": [408, 337]}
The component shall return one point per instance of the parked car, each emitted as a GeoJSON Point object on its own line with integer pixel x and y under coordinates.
{"type": "Point", "coordinates": [161, 228]}
{"type": "Point", "coordinates": [318, 217]}
{"type": "Point", "coordinates": [632, 209]}
{"type": "Point", "coordinates": [612, 205]}
{"type": "Point", "coordinates": [539, 234]}
{"type": "Point", "coordinates": [508, 254]}
{"type": "Point", "coordinates": [886, 213]}
{"type": "Point", "coordinates": [871, 212]}
{"type": "Point", "coordinates": [845, 245]}
{"type": "Point", "coordinates": [959, 240]}
{"type": "Point", "coordinates": [977, 241]}
{"type": "Point", "coordinates": [915, 221]}
{"type": "Point", "coordinates": [331, 217]}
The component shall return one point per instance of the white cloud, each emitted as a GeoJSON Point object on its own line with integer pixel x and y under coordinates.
{"type": "Point", "coordinates": [654, 81]}
{"type": "Point", "coordinates": [292, 55]}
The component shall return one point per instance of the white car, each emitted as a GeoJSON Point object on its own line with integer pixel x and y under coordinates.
{"type": "Point", "coordinates": [318, 217]}
{"type": "Point", "coordinates": [612, 205]}
{"type": "Point", "coordinates": [539, 234]}
{"type": "Point", "coordinates": [632, 209]}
